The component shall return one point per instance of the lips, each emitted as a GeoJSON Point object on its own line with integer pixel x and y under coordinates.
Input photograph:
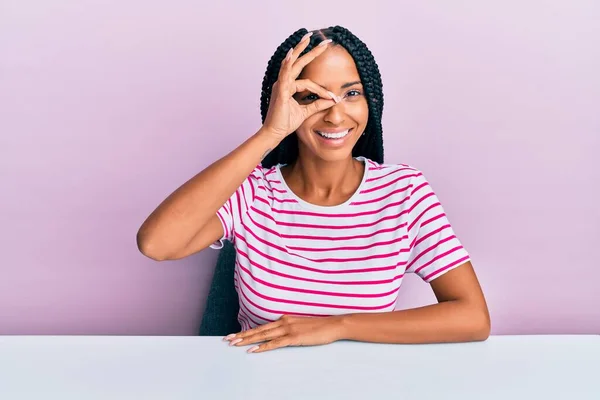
{"type": "Point", "coordinates": [334, 134]}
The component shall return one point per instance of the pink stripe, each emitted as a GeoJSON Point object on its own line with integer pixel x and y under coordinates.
{"type": "Point", "coordinates": [424, 224]}
{"type": "Point", "coordinates": [322, 271]}
{"type": "Point", "coordinates": [439, 256]}
{"type": "Point", "coordinates": [239, 204]}
{"type": "Point", "coordinates": [373, 189]}
{"type": "Point", "coordinates": [225, 229]}
{"type": "Point", "coordinates": [244, 197]}
{"type": "Point", "coordinates": [229, 207]}
{"type": "Point", "coordinates": [282, 200]}
{"type": "Point", "coordinates": [333, 238]}
{"type": "Point", "coordinates": [253, 191]}
{"type": "Point", "coordinates": [399, 239]}
{"type": "Point", "coordinates": [404, 189]}
{"type": "Point", "coordinates": [459, 261]}
{"type": "Point", "coordinates": [310, 304]}
{"type": "Point", "coordinates": [318, 260]}
{"type": "Point", "coordinates": [264, 228]}
{"type": "Point", "coordinates": [388, 174]}
{"type": "Point", "coordinates": [273, 189]}
{"type": "Point", "coordinates": [277, 312]}
{"type": "Point", "coordinates": [253, 322]}
{"type": "Point", "coordinates": [430, 220]}
{"type": "Point", "coordinates": [243, 322]}
{"type": "Point", "coordinates": [318, 292]}
{"type": "Point", "coordinates": [263, 200]}
{"type": "Point", "coordinates": [374, 165]}
{"type": "Point", "coordinates": [248, 311]}
{"type": "Point", "coordinates": [430, 234]}
{"type": "Point", "coordinates": [328, 226]}
{"type": "Point", "coordinates": [271, 171]}
{"type": "Point", "coordinates": [278, 182]}
{"type": "Point", "coordinates": [422, 199]}
{"type": "Point", "coordinates": [427, 250]}
{"type": "Point", "coordinates": [347, 215]}
{"type": "Point", "coordinates": [299, 278]}
{"type": "Point", "coordinates": [432, 206]}
{"type": "Point", "coordinates": [416, 189]}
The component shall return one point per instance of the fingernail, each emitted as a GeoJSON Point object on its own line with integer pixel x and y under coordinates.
{"type": "Point", "coordinates": [229, 337]}
{"type": "Point", "coordinates": [234, 342]}
{"type": "Point", "coordinates": [325, 42]}
{"type": "Point", "coordinates": [309, 34]}
{"type": "Point", "coordinates": [333, 96]}
{"type": "Point", "coordinates": [289, 54]}
{"type": "Point", "coordinates": [252, 349]}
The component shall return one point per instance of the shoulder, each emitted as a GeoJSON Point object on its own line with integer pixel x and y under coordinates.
{"type": "Point", "coordinates": [263, 174]}
{"type": "Point", "coordinates": [393, 175]}
{"type": "Point", "coordinates": [266, 178]}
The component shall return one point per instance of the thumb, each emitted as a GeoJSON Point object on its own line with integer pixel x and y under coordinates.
{"type": "Point", "coordinates": [318, 105]}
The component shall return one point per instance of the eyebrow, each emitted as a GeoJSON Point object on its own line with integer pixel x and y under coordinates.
{"type": "Point", "coordinates": [346, 85]}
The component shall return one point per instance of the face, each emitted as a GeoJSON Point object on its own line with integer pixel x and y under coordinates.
{"type": "Point", "coordinates": [331, 134]}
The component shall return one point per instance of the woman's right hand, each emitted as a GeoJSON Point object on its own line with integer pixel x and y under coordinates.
{"type": "Point", "coordinates": [285, 115]}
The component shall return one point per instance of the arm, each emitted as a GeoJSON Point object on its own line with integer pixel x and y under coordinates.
{"type": "Point", "coordinates": [460, 315]}
{"type": "Point", "coordinates": [186, 221]}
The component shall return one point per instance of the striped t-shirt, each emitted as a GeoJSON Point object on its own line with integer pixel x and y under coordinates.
{"type": "Point", "coordinates": [297, 258]}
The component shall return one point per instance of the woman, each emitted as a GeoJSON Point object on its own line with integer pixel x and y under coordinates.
{"type": "Point", "coordinates": [324, 231]}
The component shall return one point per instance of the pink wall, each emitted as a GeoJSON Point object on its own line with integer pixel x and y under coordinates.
{"type": "Point", "coordinates": [108, 106]}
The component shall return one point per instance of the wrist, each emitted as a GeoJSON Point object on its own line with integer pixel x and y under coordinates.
{"type": "Point", "coordinates": [343, 325]}
{"type": "Point", "coordinates": [269, 136]}
{"type": "Point", "coordinates": [266, 141]}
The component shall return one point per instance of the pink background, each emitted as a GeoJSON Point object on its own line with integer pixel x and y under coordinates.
{"type": "Point", "coordinates": [106, 107]}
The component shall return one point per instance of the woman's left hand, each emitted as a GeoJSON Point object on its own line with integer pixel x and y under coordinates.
{"type": "Point", "coordinates": [290, 331]}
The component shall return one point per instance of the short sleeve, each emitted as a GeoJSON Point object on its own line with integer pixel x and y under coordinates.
{"type": "Point", "coordinates": [237, 206]}
{"type": "Point", "coordinates": [434, 247]}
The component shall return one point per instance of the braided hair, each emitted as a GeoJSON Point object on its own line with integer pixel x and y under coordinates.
{"type": "Point", "coordinates": [369, 145]}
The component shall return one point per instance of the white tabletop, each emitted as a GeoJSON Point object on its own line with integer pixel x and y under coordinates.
{"type": "Point", "coordinates": [188, 367]}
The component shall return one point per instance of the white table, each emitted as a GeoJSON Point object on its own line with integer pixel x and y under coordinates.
{"type": "Point", "coordinates": [187, 367]}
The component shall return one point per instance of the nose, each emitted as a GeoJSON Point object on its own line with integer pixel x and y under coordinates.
{"type": "Point", "coordinates": [335, 115]}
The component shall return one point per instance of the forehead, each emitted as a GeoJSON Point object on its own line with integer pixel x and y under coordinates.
{"type": "Point", "coordinates": [331, 69]}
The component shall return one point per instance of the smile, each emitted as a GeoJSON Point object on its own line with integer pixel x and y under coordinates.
{"type": "Point", "coordinates": [334, 135]}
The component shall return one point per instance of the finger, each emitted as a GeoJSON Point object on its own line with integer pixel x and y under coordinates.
{"type": "Point", "coordinates": [263, 336]}
{"type": "Point", "coordinates": [303, 61]}
{"type": "Point", "coordinates": [284, 65]}
{"type": "Point", "coordinates": [272, 345]}
{"type": "Point", "coordinates": [303, 44]}
{"type": "Point", "coordinates": [307, 84]}
{"type": "Point", "coordinates": [316, 106]}
{"type": "Point", "coordinates": [292, 55]}
{"type": "Point", "coordinates": [250, 332]}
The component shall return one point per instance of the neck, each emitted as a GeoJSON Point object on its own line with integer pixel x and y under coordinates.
{"type": "Point", "coordinates": [324, 182]}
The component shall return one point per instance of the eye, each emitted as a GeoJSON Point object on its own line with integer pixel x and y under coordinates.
{"type": "Point", "coordinates": [353, 93]}
{"type": "Point", "coordinates": [310, 97]}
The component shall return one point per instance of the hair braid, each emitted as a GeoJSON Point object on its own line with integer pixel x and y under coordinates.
{"type": "Point", "coordinates": [369, 145]}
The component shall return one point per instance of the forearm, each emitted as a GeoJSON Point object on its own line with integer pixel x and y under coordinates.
{"type": "Point", "coordinates": [449, 321]}
{"type": "Point", "coordinates": [188, 209]}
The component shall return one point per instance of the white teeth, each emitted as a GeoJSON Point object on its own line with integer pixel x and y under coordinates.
{"type": "Point", "coordinates": [338, 135]}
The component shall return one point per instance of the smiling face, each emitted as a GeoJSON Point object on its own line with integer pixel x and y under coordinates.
{"type": "Point", "coordinates": [331, 134]}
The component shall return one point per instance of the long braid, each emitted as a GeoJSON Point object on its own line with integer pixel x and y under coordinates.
{"type": "Point", "coordinates": [369, 145]}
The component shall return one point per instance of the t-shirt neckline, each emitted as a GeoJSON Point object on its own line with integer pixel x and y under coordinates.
{"type": "Point", "coordinates": [317, 207]}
